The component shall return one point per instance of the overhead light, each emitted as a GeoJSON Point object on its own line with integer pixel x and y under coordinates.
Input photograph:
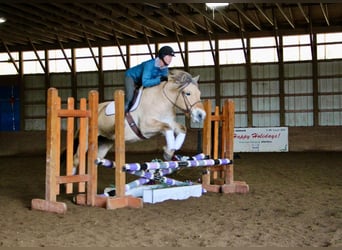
{"type": "Point", "coordinates": [2, 19]}
{"type": "Point", "coordinates": [216, 5]}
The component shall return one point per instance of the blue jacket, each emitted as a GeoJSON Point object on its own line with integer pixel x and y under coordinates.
{"type": "Point", "coordinates": [147, 73]}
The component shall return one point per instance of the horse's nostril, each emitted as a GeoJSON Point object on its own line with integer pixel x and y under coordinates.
{"type": "Point", "coordinates": [202, 115]}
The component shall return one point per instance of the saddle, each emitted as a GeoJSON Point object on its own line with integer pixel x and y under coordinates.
{"type": "Point", "coordinates": [136, 99]}
{"type": "Point", "coordinates": [110, 110]}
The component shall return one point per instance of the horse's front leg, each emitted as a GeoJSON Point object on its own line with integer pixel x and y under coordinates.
{"type": "Point", "coordinates": [174, 134]}
{"type": "Point", "coordinates": [174, 140]}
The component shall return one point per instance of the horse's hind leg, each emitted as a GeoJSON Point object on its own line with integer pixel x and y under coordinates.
{"type": "Point", "coordinates": [76, 161]}
{"type": "Point", "coordinates": [104, 146]}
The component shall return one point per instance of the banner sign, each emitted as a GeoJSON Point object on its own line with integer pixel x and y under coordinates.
{"type": "Point", "coordinates": [274, 139]}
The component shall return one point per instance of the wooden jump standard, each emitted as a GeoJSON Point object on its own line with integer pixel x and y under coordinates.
{"type": "Point", "coordinates": [87, 171]}
{"type": "Point", "coordinates": [220, 178]}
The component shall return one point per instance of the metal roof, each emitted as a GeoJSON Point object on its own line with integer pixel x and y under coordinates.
{"type": "Point", "coordinates": [62, 24]}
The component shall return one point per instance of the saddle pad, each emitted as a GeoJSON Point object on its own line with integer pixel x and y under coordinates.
{"type": "Point", "coordinates": [110, 109]}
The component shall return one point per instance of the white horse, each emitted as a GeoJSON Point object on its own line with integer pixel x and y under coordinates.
{"type": "Point", "coordinates": [155, 114]}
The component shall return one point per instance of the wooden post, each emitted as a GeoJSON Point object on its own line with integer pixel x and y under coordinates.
{"type": "Point", "coordinates": [82, 145]}
{"type": "Point", "coordinates": [88, 126]}
{"type": "Point", "coordinates": [120, 150]}
{"type": "Point", "coordinates": [228, 126]}
{"type": "Point", "coordinates": [70, 142]}
{"type": "Point", "coordinates": [121, 200]}
{"type": "Point", "coordinates": [50, 203]}
{"type": "Point", "coordinates": [52, 139]}
{"type": "Point", "coordinates": [92, 148]}
{"type": "Point", "coordinates": [226, 183]}
{"type": "Point", "coordinates": [207, 146]}
{"type": "Point", "coordinates": [206, 141]}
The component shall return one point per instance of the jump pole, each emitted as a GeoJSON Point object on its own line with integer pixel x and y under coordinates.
{"type": "Point", "coordinates": [220, 178]}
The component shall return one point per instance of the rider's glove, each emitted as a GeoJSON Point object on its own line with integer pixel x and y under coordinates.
{"type": "Point", "coordinates": [163, 78]}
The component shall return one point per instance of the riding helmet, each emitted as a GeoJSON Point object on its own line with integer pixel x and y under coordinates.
{"type": "Point", "coordinates": [165, 51]}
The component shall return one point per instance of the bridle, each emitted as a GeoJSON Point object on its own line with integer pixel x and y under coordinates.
{"type": "Point", "coordinates": [181, 92]}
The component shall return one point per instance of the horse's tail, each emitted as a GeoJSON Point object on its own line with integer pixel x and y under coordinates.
{"type": "Point", "coordinates": [64, 152]}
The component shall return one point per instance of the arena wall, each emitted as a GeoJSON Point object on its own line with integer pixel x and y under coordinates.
{"type": "Point", "coordinates": [300, 139]}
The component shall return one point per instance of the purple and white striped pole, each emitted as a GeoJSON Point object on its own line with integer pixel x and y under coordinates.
{"type": "Point", "coordinates": [136, 183]}
{"type": "Point", "coordinates": [176, 164]}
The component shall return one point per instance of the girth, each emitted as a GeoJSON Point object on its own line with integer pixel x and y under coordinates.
{"type": "Point", "coordinates": [134, 126]}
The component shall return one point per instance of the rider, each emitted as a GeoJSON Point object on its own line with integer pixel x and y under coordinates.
{"type": "Point", "coordinates": [147, 74]}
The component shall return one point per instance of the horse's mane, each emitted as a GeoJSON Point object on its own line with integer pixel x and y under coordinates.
{"type": "Point", "coordinates": [181, 77]}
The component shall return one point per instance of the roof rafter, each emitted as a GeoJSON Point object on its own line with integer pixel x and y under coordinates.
{"type": "Point", "coordinates": [28, 25]}
{"type": "Point", "coordinates": [303, 12]}
{"type": "Point", "coordinates": [284, 15]}
{"type": "Point", "coordinates": [245, 16]}
{"type": "Point", "coordinates": [325, 12]}
{"type": "Point", "coordinates": [261, 11]}
{"type": "Point", "coordinates": [70, 23]}
{"type": "Point", "coordinates": [187, 22]}
{"type": "Point", "coordinates": [204, 14]}
{"type": "Point", "coordinates": [150, 23]}
{"type": "Point", "coordinates": [100, 29]}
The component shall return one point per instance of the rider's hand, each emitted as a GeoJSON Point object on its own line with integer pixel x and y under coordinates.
{"type": "Point", "coordinates": [163, 78]}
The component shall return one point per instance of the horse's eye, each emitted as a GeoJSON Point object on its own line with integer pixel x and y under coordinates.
{"type": "Point", "coordinates": [187, 93]}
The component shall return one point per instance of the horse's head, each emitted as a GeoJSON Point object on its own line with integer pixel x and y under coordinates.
{"type": "Point", "coordinates": [188, 97]}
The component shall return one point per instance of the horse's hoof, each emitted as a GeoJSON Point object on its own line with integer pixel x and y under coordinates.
{"type": "Point", "coordinates": [167, 157]}
{"type": "Point", "coordinates": [168, 154]}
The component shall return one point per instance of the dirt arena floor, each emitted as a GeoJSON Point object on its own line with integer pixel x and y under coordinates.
{"type": "Point", "coordinates": [295, 200]}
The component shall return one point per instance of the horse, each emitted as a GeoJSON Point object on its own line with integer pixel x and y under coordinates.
{"type": "Point", "coordinates": [155, 114]}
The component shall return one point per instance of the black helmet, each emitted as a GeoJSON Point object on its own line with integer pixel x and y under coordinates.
{"type": "Point", "coordinates": [165, 51]}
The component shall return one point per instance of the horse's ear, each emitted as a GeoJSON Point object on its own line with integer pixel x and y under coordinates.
{"type": "Point", "coordinates": [195, 79]}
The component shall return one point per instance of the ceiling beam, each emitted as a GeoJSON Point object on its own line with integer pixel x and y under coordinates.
{"type": "Point", "coordinates": [25, 25]}
{"type": "Point", "coordinates": [303, 12]}
{"type": "Point", "coordinates": [33, 17]}
{"type": "Point", "coordinates": [242, 37]}
{"type": "Point", "coordinates": [187, 23]}
{"type": "Point", "coordinates": [210, 41]}
{"type": "Point", "coordinates": [83, 21]}
{"type": "Point", "coordinates": [120, 50]}
{"type": "Point", "coordinates": [225, 16]}
{"type": "Point", "coordinates": [120, 27]}
{"type": "Point", "coordinates": [11, 57]}
{"type": "Point", "coordinates": [64, 54]}
{"type": "Point", "coordinates": [13, 37]}
{"type": "Point", "coordinates": [262, 12]}
{"type": "Point", "coordinates": [70, 23]}
{"type": "Point", "coordinates": [324, 9]}
{"type": "Point", "coordinates": [245, 16]}
{"type": "Point", "coordinates": [276, 35]}
{"type": "Point", "coordinates": [148, 43]}
{"type": "Point", "coordinates": [92, 52]}
{"type": "Point", "coordinates": [285, 16]}
{"type": "Point", "coordinates": [179, 43]}
{"type": "Point", "coordinates": [148, 23]}
{"type": "Point", "coordinates": [38, 57]}
{"type": "Point", "coordinates": [205, 15]}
